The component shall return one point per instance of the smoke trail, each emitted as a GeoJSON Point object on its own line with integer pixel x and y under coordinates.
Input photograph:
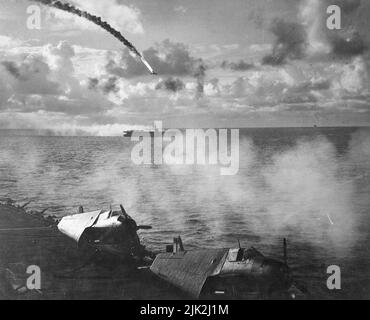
{"type": "Point", "coordinates": [98, 21]}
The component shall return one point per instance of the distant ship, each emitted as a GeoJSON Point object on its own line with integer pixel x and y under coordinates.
{"type": "Point", "coordinates": [129, 133]}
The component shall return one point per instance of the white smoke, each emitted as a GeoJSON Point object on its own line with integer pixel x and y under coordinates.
{"type": "Point", "coordinates": [313, 19]}
{"type": "Point", "coordinates": [292, 192]}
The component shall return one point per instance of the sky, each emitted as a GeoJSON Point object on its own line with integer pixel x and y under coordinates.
{"type": "Point", "coordinates": [240, 63]}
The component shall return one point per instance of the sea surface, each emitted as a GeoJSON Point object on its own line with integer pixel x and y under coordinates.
{"type": "Point", "coordinates": [309, 185]}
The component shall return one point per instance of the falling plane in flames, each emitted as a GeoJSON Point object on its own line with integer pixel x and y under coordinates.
{"type": "Point", "coordinates": [65, 6]}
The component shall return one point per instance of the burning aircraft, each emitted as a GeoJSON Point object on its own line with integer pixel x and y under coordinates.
{"type": "Point", "coordinates": [65, 6]}
{"type": "Point", "coordinates": [112, 233]}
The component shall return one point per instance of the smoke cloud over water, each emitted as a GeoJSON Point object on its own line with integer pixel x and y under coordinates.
{"type": "Point", "coordinates": [282, 190]}
{"type": "Point", "coordinates": [307, 192]}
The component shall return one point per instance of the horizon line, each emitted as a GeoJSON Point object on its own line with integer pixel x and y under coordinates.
{"type": "Point", "coordinates": [55, 133]}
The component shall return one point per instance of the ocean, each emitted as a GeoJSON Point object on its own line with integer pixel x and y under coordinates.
{"type": "Point", "coordinates": [309, 185]}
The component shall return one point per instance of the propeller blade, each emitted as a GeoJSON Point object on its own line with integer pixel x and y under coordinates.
{"type": "Point", "coordinates": [123, 210]}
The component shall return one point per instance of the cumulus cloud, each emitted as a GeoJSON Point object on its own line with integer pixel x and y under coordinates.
{"type": "Point", "coordinates": [167, 58]}
{"type": "Point", "coordinates": [353, 78]}
{"type": "Point", "coordinates": [180, 9]}
{"type": "Point", "coordinates": [93, 87]}
{"type": "Point", "coordinates": [171, 84]}
{"type": "Point", "coordinates": [120, 16]}
{"type": "Point", "coordinates": [241, 65]}
{"type": "Point", "coordinates": [311, 37]}
{"type": "Point", "coordinates": [107, 85]}
{"type": "Point", "coordinates": [46, 82]}
{"type": "Point", "coordinates": [12, 68]}
{"type": "Point", "coordinates": [31, 76]}
{"type": "Point", "coordinates": [8, 42]}
{"type": "Point", "coordinates": [313, 85]}
{"type": "Point", "coordinates": [293, 88]}
{"type": "Point", "coordinates": [353, 45]}
{"type": "Point", "coordinates": [346, 42]}
{"type": "Point", "coordinates": [171, 60]}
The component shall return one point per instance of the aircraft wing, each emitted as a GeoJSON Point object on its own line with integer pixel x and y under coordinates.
{"type": "Point", "coordinates": [74, 226]}
{"type": "Point", "coordinates": [189, 270]}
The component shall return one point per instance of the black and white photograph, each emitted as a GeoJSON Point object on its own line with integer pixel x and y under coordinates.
{"type": "Point", "coordinates": [184, 150]}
